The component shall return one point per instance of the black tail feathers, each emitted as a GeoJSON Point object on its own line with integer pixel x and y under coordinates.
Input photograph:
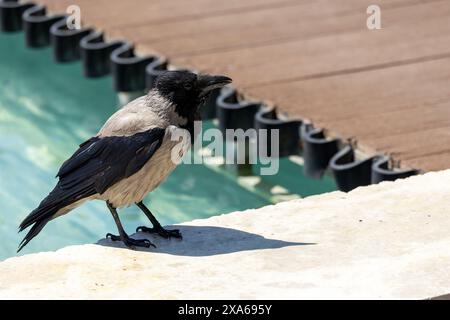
{"type": "Point", "coordinates": [39, 217]}
{"type": "Point", "coordinates": [37, 227]}
{"type": "Point", "coordinates": [61, 197]}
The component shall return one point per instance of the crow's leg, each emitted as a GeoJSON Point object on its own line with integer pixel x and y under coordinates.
{"type": "Point", "coordinates": [157, 228]}
{"type": "Point", "coordinates": [129, 242]}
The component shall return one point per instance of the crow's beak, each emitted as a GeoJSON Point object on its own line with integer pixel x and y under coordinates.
{"type": "Point", "coordinates": [207, 83]}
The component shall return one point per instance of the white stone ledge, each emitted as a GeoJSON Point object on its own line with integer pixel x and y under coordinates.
{"type": "Point", "coordinates": [390, 241]}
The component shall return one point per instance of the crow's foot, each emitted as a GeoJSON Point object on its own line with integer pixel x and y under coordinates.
{"type": "Point", "coordinates": [161, 231]}
{"type": "Point", "coordinates": [130, 242]}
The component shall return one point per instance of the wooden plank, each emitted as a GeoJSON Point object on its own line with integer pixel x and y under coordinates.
{"type": "Point", "coordinates": [230, 24]}
{"type": "Point", "coordinates": [428, 149]}
{"type": "Point", "coordinates": [408, 33]}
{"type": "Point", "coordinates": [315, 59]}
{"type": "Point", "coordinates": [107, 13]}
{"type": "Point", "coordinates": [403, 109]}
{"type": "Point", "coordinates": [275, 26]}
{"type": "Point", "coordinates": [281, 19]}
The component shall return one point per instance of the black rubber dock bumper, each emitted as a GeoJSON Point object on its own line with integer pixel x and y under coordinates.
{"type": "Point", "coordinates": [157, 66]}
{"type": "Point", "coordinates": [66, 42]}
{"type": "Point", "coordinates": [382, 172]}
{"type": "Point", "coordinates": [317, 151]}
{"type": "Point", "coordinates": [128, 70]}
{"type": "Point", "coordinates": [234, 113]}
{"type": "Point", "coordinates": [288, 133]}
{"type": "Point", "coordinates": [96, 53]}
{"type": "Point", "coordinates": [36, 25]}
{"type": "Point", "coordinates": [350, 173]}
{"type": "Point", "coordinates": [11, 14]}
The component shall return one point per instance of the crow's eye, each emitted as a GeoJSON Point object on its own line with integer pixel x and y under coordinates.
{"type": "Point", "coordinates": [188, 86]}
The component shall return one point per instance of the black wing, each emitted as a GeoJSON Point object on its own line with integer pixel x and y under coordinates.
{"type": "Point", "coordinates": [93, 168]}
{"type": "Point", "coordinates": [107, 160]}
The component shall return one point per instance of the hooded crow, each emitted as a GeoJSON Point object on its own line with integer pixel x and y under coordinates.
{"type": "Point", "coordinates": [130, 155]}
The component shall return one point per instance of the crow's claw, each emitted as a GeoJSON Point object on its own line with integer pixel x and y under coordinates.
{"type": "Point", "coordinates": [130, 242]}
{"type": "Point", "coordinates": [175, 233]}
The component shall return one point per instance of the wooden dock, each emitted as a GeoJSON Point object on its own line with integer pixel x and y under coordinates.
{"type": "Point", "coordinates": [389, 88]}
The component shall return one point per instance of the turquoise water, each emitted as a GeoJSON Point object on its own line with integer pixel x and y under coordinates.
{"type": "Point", "coordinates": [47, 110]}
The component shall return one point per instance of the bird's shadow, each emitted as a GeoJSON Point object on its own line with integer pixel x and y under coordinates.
{"type": "Point", "coordinates": [201, 241]}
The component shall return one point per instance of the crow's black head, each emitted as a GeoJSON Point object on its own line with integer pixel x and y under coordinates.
{"type": "Point", "coordinates": [186, 90]}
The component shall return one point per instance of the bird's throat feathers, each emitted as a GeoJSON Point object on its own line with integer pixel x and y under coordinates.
{"type": "Point", "coordinates": [165, 109]}
{"type": "Point", "coordinates": [177, 113]}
